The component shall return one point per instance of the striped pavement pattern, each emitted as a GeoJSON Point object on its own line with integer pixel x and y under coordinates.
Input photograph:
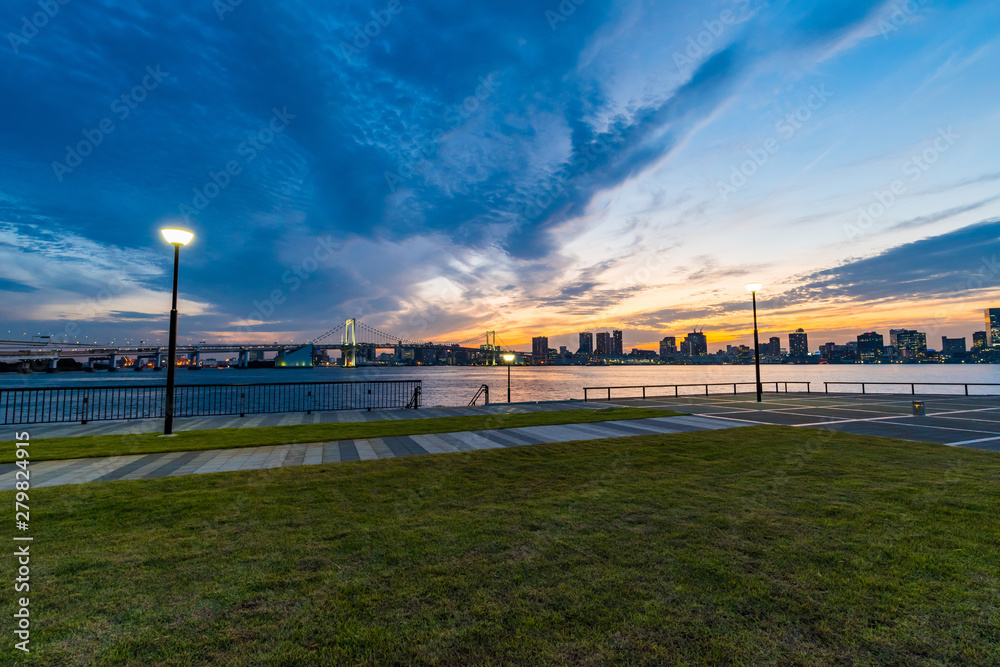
{"type": "Point", "coordinates": [172, 464]}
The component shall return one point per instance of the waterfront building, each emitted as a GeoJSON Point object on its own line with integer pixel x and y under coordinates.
{"type": "Point", "coordinates": [798, 343]}
{"type": "Point", "coordinates": [978, 340]}
{"type": "Point", "coordinates": [668, 346]}
{"type": "Point", "coordinates": [773, 347]}
{"type": "Point", "coordinates": [540, 349]}
{"type": "Point", "coordinates": [908, 343]}
{"type": "Point", "coordinates": [603, 344]}
{"type": "Point", "coordinates": [870, 345]}
{"type": "Point", "coordinates": [952, 346]}
{"type": "Point", "coordinates": [992, 316]}
{"type": "Point", "coordinates": [586, 343]}
{"type": "Point", "coordinates": [616, 343]}
{"type": "Point", "coordinates": [697, 343]}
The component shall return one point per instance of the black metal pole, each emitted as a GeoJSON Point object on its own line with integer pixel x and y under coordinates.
{"type": "Point", "coordinates": [756, 347]}
{"type": "Point", "coordinates": [508, 382]}
{"type": "Point", "coordinates": [168, 404]}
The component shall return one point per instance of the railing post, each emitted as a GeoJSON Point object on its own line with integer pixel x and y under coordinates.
{"type": "Point", "coordinates": [584, 394]}
{"type": "Point", "coordinates": [808, 387]}
{"type": "Point", "coordinates": [83, 409]}
{"type": "Point", "coordinates": [309, 401]}
{"type": "Point", "coordinates": [862, 387]}
{"type": "Point", "coordinates": [826, 387]}
{"type": "Point", "coordinates": [734, 389]}
{"type": "Point", "coordinates": [676, 390]}
{"type": "Point", "coordinates": [706, 389]}
{"type": "Point", "coordinates": [966, 390]}
{"type": "Point", "coordinates": [913, 389]}
{"type": "Point", "coordinates": [486, 394]}
{"type": "Point", "coordinates": [643, 392]}
{"type": "Point", "coordinates": [609, 393]}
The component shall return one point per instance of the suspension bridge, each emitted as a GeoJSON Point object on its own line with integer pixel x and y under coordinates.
{"type": "Point", "coordinates": [359, 344]}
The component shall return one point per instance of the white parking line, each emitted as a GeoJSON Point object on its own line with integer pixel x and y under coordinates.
{"type": "Point", "coordinates": [972, 442]}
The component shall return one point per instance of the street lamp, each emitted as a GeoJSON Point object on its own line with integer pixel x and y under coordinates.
{"type": "Point", "coordinates": [509, 358]}
{"type": "Point", "coordinates": [177, 238]}
{"type": "Point", "coordinates": [753, 288]}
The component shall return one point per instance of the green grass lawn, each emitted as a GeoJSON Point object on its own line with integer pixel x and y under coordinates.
{"type": "Point", "coordinates": [53, 449]}
{"type": "Point", "coordinates": [751, 546]}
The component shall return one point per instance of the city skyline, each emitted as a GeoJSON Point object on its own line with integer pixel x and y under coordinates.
{"type": "Point", "coordinates": [620, 166]}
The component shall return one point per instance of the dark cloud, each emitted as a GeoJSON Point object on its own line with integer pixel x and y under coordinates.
{"type": "Point", "coordinates": [951, 263]}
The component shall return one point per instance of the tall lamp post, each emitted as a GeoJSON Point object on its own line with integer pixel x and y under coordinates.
{"type": "Point", "coordinates": [177, 238]}
{"type": "Point", "coordinates": [509, 358]}
{"type": "Point", "coordinates": [753, 288]}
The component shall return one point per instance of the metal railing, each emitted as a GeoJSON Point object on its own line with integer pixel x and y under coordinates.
{"type": "Point", "coordinates": [483, 391]}
{"type": "Point", "coordinates": [111, 402]}
{"type": "Point", "coordinates": [778, 386]}
{"type": "Point", "coordinates": [913, 386]}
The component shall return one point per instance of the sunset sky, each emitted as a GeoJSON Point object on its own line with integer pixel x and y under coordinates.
{"type": "Point", "coordinates": [437, 169]}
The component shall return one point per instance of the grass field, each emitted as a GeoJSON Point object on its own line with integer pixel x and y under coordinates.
{"type": "Point", "coordinates": [751, 546]}
{"type": "Point", "coordinates": [52, 449]}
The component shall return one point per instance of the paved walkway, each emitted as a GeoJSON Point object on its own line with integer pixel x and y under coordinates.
{"type": "Point", "coordinates": [960, 421]}
{"type": "Point", "coordinates": [149, 466]}
{"type": "Point", "coordinates": [123, 427]}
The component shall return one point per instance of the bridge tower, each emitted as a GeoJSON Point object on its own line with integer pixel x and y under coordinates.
{"type": "Point", "coordinates": [491, 346]}
{"type": "Point", "coordinates": [349, 349]}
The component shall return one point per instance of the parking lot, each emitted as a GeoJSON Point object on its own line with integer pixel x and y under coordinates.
{"type": "Point", "coordinates": [960, 421]}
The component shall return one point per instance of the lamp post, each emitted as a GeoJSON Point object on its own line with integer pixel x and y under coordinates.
{"type": "Point", "coordinates": [752, 288]}
{"type": "Point", "coordinates": [176, 238]}
{"type": "Point", "coordinates": [509, 358]}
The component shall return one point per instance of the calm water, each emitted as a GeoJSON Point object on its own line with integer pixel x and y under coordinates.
{"type": "Point", "coordinates": [444, 385]}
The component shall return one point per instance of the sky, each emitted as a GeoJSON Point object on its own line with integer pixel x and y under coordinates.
{"type": "Point", "coordinates": [440, 169]}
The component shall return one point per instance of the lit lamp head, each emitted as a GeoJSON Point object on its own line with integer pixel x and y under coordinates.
{"type": "Point", "coordinates": [754, 287]}
{"type": "Point", "coordinates": [177, 237]}
{"type": "Point", "coordinates": [509, 358]}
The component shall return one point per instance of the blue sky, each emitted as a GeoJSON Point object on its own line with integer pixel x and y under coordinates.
{"type": "Point", "coordinates": [534, 168]}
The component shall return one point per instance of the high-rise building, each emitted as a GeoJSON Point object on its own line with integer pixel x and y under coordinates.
{"type": "Point", "coordinates": [992, 316]}
{"type": "Point", "coordinates": [870, 345]}
{"type": "Point", "coordinates": [978, 340]}
{"type": "Point", "coordinates": [668, 346]}
{"type": "Point", "coordinates": [952, 346]}
{"type": "Point", "coordinates": [540, 349]}
{"type": "Point", "coordinates": [697, 343]}
{"type": "Point", "coordinates": [586, 343]}
{"type": "Point", "coordinates": [798, 343]}
{"type": "Point", "coordinates": [616, 343]}
{"type": "Point", "coordinates": [773, 347]}
{"type": "Point", "coordinates": [603, 343]}
{"type": "Point", "coordinates": [908, 343]}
